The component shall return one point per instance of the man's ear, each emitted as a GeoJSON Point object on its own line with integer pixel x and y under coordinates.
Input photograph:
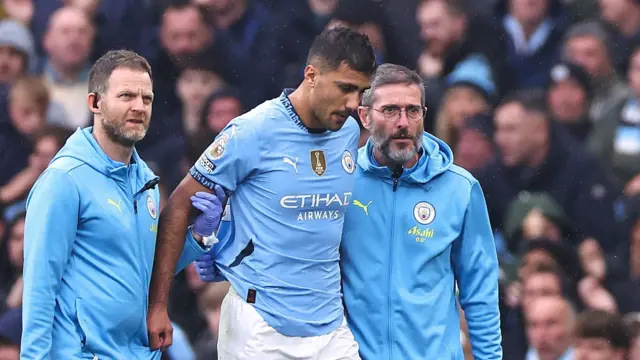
{"type": "Point", "coordinates": [92, 102]}
{"type": "Point", "coordinates": [310, 75]}
{"type": "Point", "coordinates": [363, 114]}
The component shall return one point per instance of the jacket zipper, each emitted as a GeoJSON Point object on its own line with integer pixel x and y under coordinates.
{"type": "Point", "coordinates": [396, 178]}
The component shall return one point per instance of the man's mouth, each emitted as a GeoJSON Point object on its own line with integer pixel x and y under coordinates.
{"type": "Point", "coordinates": [135, 121]}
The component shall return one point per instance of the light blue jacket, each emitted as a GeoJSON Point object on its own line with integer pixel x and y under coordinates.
{"type": "Point", "coordinates": [406, 243]}
{"type": "Point", "coordinates": [88, 249]}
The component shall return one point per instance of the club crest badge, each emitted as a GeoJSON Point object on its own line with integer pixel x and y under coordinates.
{"type": "Point", "coordinates": [424, 213]}
{"type": "Point", "coordinates": [151, 207]}
{"type": "Point", "coordinates": [347, 162]}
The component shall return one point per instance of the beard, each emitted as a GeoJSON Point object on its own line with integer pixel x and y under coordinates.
{"type": "Point", "coordinates": [382, 144]}
{"type": "Point", "coordinates": [116, 131]}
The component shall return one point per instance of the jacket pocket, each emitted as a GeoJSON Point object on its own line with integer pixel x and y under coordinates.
{"type": "Point", "coordinates": [109, 327]}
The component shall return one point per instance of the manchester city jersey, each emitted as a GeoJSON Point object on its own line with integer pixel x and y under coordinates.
{"type": "Point", "coordinates": [290, 189]}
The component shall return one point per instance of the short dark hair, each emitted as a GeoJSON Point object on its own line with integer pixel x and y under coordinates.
{"type": "Point", "coordinates": [533, 101]}
{"type": "Point", "coordinates": [601, 324]}
{"type": "Point", "coordinates": [114, 59]}
{"type": "Point", "coordinates": [343, 45]}
{"type": "Point", "coordinates": [389, 74]}
{"type": "Point", "coordinates": [184, 5]}
{"type": "Point", "coordinates": [455, 7]}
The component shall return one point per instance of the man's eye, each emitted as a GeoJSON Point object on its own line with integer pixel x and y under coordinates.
{"type": "Point", "coordinates": [390, 110]}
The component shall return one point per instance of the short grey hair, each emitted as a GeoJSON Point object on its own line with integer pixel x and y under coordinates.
{"type": "Point", "coordinates": [391, 74]}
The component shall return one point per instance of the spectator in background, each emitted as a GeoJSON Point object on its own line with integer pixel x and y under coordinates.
{"type": "Point", "coordinates": [10, 333]}
{"type": "Point", "coordinates": [550, 323]}
{"type": "Point", "coordinates": [219, 108]}
{"type": "Point", "coordinates": [210, 304]}
{"type": "Point", "coordinates": [253, 44]}
{"type": "Point", "coordinates": [364, 16]}
{"type": "Point", "coordinates": [534, 36]}
{"type": "Point", "coordinates": [475, 148]}
{"type": "Point", "coordinates": [568, 99]}
{"type": "Point", "coordinates": [623, 20]}
{"type": "Point", "coordinates": [27, 102]}
{"type": "Point", "coordinates": [535, 157]}
{"type": "Point", "coordinates": [545, 280]}
{"type": "Point", "coordinates": [601, 336]}
{"type": "Point", "coordinates": [197, 80]}
{"type": "Point", "coordinates": [451, 35]}
{"type": "Point", "coordinates": [17, 53]}
{"type": "Point", "coordinates": [184, 34]}
{"type": "Point", "coordinates": [68, 44]}
{"type": "Point", "coordinates": [587, 44]}
{"type": "Point", "coordinates": [532, 216]}
{"type": "Point", "coordinates": [302, 21]}
{"type": "Point", "coordinates": [469, 91]}
{"type": "Point", "coordinates": [47, 142]}
{"type": "Point", "coordinates": [616, 139]}
{"type": "Point", "coordinates": [13, 249]}
{"type": "Point", "coordinates": [171, 131]}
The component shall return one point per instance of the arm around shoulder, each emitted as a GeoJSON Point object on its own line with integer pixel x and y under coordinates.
{"type": "Point", "coordinates": [476, 270]}
{"type": "Point", "coordinates": [50, 232]}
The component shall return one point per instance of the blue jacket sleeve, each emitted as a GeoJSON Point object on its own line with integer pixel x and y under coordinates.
{"type": "Point", "coordinates": [476, 269]}
{"type": "Point", "coordinates": [191, 252]}
{"type": "Point", "coordinates": [50, 232]}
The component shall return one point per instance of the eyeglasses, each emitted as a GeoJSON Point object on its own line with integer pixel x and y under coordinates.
{"type": "Point", "coordinates": [392, 113]}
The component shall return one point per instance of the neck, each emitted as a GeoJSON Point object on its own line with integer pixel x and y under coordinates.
{"type": "Point", "coordinates": [384, 161]}
{"type": "Point", "coordinates": [114, 151]}
{"type": "Point", "coordinates": [299, 101]}
{"type": "Point", "coordinates": [630, 23]}
{"type": "Point", "coordinates": [528, 28]}
{"type": "Point", "coordinates": [231, 15]}
{"type": "Point", "coordinates": [66, 73]}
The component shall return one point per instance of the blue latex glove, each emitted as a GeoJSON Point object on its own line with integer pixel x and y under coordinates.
{"type": "Point", "coordinates": [212, 207]}
{"type": "Point", "coordinates": [207, 270]}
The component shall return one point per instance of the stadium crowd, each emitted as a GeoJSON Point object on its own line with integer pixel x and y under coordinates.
{"type": "Point", "coordinates": [560, 168]}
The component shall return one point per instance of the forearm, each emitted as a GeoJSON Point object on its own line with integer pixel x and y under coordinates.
{"type": "Point", "coordinates": [17, 187]}
{"type": "Point", "coordinates": [169, 245]}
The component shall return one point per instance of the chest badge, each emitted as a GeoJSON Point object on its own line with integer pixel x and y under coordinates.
{"type": "Point", "coordinates": [151, 207]}
{"type": "Point", "coordinates": [424, 213]}
{"type": "Point", "coordinates": [318, 162]}
{"type": "Point", "coordinates": [347, 162]}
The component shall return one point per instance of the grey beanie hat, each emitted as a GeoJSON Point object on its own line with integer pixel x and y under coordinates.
{"type": "Point", "coordinates": [16, 35]}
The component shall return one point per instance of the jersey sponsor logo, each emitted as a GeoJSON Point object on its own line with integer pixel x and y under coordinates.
{"type": "Point", "coordinates": [318, 162]}
{"type": "Point", "coordinates": [347, 162]}
{"type": "Point", "coordinates": [207, 165]}
{"type": "Point", "coordinates": [216, 150]}
{"type": "Point", "coordinates": [424, 213]}
{"type": "Point", "coordinates": [421, 234]}
{"type": "Point", "coordinates": [315, 206]}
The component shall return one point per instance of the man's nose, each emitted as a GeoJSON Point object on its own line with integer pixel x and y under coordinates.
{"type": "Point", "coordinates": [353, 101]}
{"type": "Point", "coordinates": [137, 104]}
{"type": "Point", "coordinates": [403, 121]}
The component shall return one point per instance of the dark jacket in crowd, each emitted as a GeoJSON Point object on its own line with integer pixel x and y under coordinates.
{"type": "Point", "coordinates": [571, 176]}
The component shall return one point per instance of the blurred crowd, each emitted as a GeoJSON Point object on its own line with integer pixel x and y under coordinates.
{"type": "Point", "coordinates": [560, 169]}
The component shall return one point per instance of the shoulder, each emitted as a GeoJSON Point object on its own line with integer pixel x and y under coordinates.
{"type": "Point", "coordinates": [67, 165]}
{"type": "Point", "coordinates": [352, 128]}
{"type": "Point", "coordinates": [460, 177]}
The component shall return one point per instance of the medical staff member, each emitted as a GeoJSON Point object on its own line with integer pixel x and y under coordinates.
{"type": "Point", "coordinates": [91, 225]}
{"type": "Point", "coordinates": [416, 227]}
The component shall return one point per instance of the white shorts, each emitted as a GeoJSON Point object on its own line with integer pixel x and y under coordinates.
{"type": "Point", "coordinates": [244, 335]}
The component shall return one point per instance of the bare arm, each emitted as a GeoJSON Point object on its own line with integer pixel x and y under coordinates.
{"type": "Point", "coordinates": [170, 242]}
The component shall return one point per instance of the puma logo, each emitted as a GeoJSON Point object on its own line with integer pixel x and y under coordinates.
{"type": "Point", "coordinates": [361, 205]}
{"type": "Point", "coordinates": [286, 160]}
{"type": "Point", "coordinates": [117, 205]}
